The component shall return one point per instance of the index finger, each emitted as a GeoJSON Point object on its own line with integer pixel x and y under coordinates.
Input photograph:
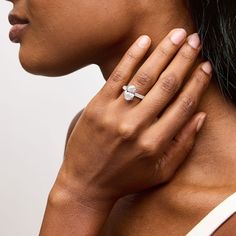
{"type": "Point", "coordinates": [126, 66]}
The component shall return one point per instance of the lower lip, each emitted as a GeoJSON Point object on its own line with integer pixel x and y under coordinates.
{"type": "Point", "coordinates": [16, 32]}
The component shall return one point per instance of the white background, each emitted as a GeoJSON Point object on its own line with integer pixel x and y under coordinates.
{"type": "Point", "coordinates": [34, 118]}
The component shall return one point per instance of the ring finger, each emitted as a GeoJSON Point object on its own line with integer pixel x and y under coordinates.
{"type": "Point", "coordinates": [171, 79]}
{"type": "Point", "coordinates": [149, 72]}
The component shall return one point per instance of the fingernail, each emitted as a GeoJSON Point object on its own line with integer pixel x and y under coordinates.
{"type": "Point", "coordinates": [207, 68]}
{"type": "Point", "coordinates": [201, 122]}
{"type": "Point", "coordinates": [143, 41]}
{"type": "Point", "coordinates": [178, 36]}
{"type": "Point", "coordinates": [194, 41]}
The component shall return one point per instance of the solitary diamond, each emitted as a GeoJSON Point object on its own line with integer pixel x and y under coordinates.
{"type": "Point", "coordinates": [131, 88]}
{"type": "Point", "coordinates": [128, 96]}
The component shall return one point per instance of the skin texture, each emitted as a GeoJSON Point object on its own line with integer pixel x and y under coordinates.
{"type": "Point", "coordinates": [58, 36]}
{"type": "Point", "coordinates": [65, 36]}
{"type": "Point", "coordinates": [142, 152]}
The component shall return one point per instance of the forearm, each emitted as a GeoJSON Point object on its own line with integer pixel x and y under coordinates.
{"type": "Point", "coordinates": [67, 215]}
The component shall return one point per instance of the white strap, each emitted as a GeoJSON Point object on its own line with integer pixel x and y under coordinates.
{"type": "Point", "coordinates": [209, 224]}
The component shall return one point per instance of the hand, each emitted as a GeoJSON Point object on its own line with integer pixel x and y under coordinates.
{"type": "Point", "coordinates": [118, 147]}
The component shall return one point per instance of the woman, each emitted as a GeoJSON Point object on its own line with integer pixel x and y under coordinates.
{"type": "Point", "coordinates": [123, 172]}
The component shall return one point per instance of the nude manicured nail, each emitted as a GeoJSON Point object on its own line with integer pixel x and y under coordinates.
{"type": "Point", "coordinates": [207, 68]}
{"type": "Point", "coordinates": [201, 122]}
{"type": "Point", "coordinates": [178, 36]}
{"type": "Point", "coordinates": [194, 41]}
{"type": "Point", "coordinates": [144, 41]}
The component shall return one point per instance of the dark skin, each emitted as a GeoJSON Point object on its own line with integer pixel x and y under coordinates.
{"type": "Point", "coordinates": [147, 200]}
{"type": "Point", "coordinates": [198, 185]}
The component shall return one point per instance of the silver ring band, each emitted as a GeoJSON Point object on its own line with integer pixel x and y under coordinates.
{"type": "Point", "coordinates": [130, 93]}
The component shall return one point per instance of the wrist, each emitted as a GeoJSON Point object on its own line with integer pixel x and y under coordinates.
{"type": "Point", "coordinates": [62, 199]}
{"type": "Point", "coordinates": [68, 190]}
{"type": "Point", "coordinates": [70, 211]}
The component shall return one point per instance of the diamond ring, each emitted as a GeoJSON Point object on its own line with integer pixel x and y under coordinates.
{"type": "Point", "coordinates": [130, 93]}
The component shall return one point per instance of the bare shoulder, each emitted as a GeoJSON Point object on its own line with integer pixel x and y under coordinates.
{"type": "Point", "coordinates": [228, 228]}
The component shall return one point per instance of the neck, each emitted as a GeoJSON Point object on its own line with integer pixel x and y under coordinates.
{"type": "Point", "coordinates": [212, 161]}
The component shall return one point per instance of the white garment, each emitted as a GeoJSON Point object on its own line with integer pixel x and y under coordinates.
{"type": "Point", "coordinates": [209, 224]}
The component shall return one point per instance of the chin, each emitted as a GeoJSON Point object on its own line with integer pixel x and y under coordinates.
{"type": "Point", "coordinates": [38, 63]}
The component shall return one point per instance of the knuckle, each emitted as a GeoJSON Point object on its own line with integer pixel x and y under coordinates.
{"type": "Point", "coordinates": [90, 114]}
{"type": "Point", "coordinates": [187, 55]}
{"type": "Point", "coordinates": [106, 123]}
{"type": "Point", "coordinates": [202, 78]}
{"type": "Point", "coordinates": [116, 76]}
{"type": "Point", "coordinates": [126, 131]}
{"type": "Point", "coordinates": [147, 147]}
{"type": "Point", "coordinates": [169, 84]}
{"type": "Point", "coordinates": [143, 78]}
{"type": "Point", "coordinates": [187, 103]}
{"type": "Point", "coordinates": [162, 51]}
{"type": "Point", "coordinates": [131, 55]}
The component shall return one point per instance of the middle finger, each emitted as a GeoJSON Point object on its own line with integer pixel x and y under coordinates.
{"type": "Point", "coordinates": [149, 72]}
{"type": "Point", "coordinates": [171, 79]}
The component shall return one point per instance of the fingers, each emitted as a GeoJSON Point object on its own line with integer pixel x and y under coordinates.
{"type": "Point", "coordinates": [179, 112]}
{"type": "Point", "coordinates": [124, 70]}
{"type": "Point", "coordinates": [180, 147]}
{"type": "Point", "coordinates": [171, 79]}
{"type": "Point", "coordinates": [148, 73]}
